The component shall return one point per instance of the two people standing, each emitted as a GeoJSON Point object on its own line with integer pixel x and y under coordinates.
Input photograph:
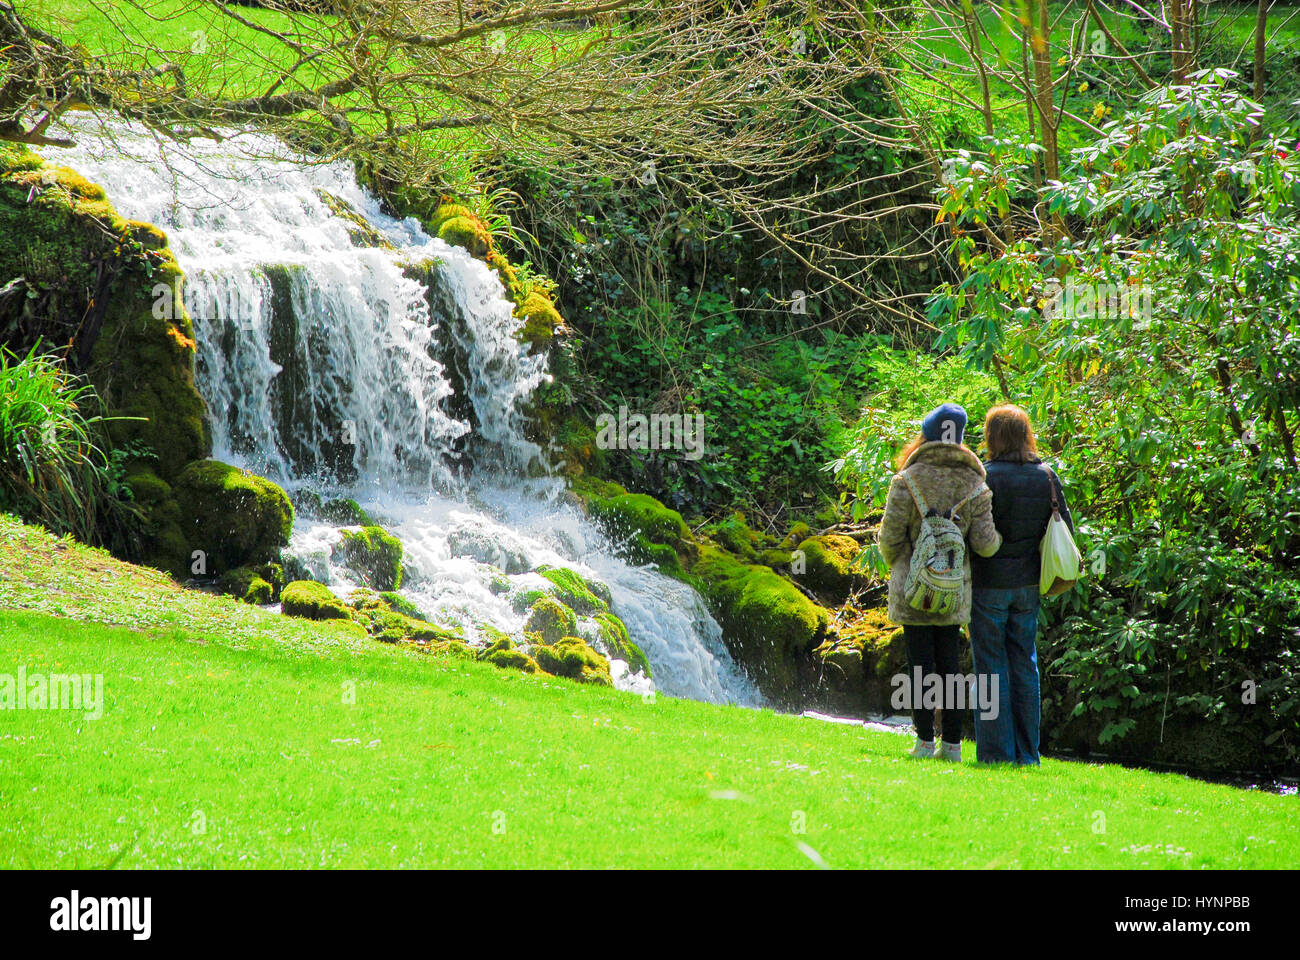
{"type": "Point", "coordinates": [1001, 507]}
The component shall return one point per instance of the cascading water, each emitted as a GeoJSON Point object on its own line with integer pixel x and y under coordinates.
{"type": "Point", "coordinates": [347, 352]}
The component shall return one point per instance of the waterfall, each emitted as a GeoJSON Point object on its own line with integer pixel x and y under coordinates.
{"type": "Point", "coordinates": [343, 351]}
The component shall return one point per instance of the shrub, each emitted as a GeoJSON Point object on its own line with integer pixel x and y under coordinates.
{"type": "Point", "coordinates": [53, 467]}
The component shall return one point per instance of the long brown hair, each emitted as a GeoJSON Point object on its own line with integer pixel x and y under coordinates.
{"type": "Point", "coordinates": [906, 453]}
{"type": "Point", "coordinates": [1008, 434]}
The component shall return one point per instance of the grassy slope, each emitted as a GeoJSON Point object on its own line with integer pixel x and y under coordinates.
{"type": "Point", "coordinates": [226, 741]}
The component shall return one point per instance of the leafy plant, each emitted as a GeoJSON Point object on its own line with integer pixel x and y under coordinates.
{"type": "Point", "coordinates": [53, 466]}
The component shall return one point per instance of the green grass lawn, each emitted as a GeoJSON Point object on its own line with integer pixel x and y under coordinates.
{"type": "Point", "coordinates": [233, 737]}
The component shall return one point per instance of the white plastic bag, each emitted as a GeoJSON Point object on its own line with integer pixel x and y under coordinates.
{"type": "Point", "coordinates": [1061, 558]}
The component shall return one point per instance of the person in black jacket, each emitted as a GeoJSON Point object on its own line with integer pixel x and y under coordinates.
{"type": "Point", "coordinates": [1005, 595]}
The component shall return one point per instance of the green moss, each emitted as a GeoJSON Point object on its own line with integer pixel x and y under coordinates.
{"type": "Point", "coordinates": [272, 573]}
{"type": "Point", "coordinates": [614, 636]}
{"type": "Point", "coordinates": [452, 647]}
{"type": "Point", "coordinates": [828, 566]}
{"type": "Point", "coordinates": [776, 559]}
{"type": "Point", "coordinates": [648, 531]}
{"type": "Point", "coordinates": [403, 606]}
{"type": "Point", "coordinates": [133, 339]}
{"type": "Point", "coordinates": [314, 601]}
{"type": "Point", "coordinates": [734, 534]}
{"type": "Point", "coordinates": [234, 517]}
{"type": "Point", "coordinates": [550, 619]}
{"type": "Point", "coordinates": [572, 657]}
{"type": "Point", "coordinates": [769, 623]}
{"type": "Point", "coordinates": [458, 226]}
{"type": "Point", "coordinates": [244, 583]}
{"type": "Point", "coordinates": [798, 533]}
{"type": "Point", "coordinates": [524, 600]}
{"type": "Point", "coordinates": [147, 488]}
{"type": "Point", "coordinates": [540, 319]}
{"type": "Point", "coordinates": [571, 588]}
{"type": "Point", "coordinates": [503, 653]}
{"type": "Point", "coordinates": [373, 554]}
{"type": "Point", "coordinates": [345, 512]}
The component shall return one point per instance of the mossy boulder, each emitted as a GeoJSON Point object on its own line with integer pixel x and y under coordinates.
{"type": "Point", "coordinates": [503, 653]}
{"type": "Point", "coordinates": [234, 517]}
{"type": "Point", "coordinates": [541, 321]}
{"type": "Point", "coordinates": [460, 227]}
{"type": "Point", "coordinates": [855, 667]}
{"type": "Point", "coordinates": [578, 593]}
{"type": "Point", "coordinates": [769, 624]}
{"type": "Point", "coordinates": [827, 563]}
{"type": "Point", "coordinates": [550, 619]}
{"type": "Point", "coordinates": [373, 554]}
{"type": "Point", "coordinates": [314, 601]}
{"type": "Point", "coordinates": [403, 606]}
{"type": "Point", "coordinates": [613, 636]}
{"type": "Point", "coordinates": [109, 289]}
{"type": "Point", "coordinates": [735, 534]}
{"type": "Point", "coordinates": [647, 531]}
{"type": "Point", "coordinates": [574, 658]}
{"type": "Point", "coordinates": [245, 583]}
{"type": "Point", "coordinates": [345, 512]}
{"type": "Point", "coordinates": [797, 535]}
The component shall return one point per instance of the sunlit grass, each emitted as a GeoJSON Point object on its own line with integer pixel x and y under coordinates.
{"type": "Point", "coordinates": [235, 737]}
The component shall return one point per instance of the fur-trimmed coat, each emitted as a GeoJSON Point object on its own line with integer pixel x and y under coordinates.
{"type": "Point", "coordinates": [945, 472]}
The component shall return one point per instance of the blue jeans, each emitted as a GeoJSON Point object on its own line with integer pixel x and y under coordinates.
{"type": "Point", "coordinates": [1003, 626]}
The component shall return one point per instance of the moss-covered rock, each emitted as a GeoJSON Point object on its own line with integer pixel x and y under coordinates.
{"type": "Point", "coordinates": [460, 227]}
{"type": "Point", "coordinates": [613, 636]}
{"type": "Point", "coordinates": [345, 512]}
{"type": "Point", "coordinates": [572, 657]}
{"type": "Point", "coordinates": [373, 554]}
{"type": "Point", "coordinates": [245, 583]}
{"type": "Point", "coordinates": [580, 594]}
{"type": "Point", "coordinates": [109, 288]}
{"type": "Point", "coordinates": [648, 531]}
{"type": "Point", "coordinates": [735, 534]}
{"type": "Point", "coordinates": [503, 653]}
{"type": "Point", "coordinates": [403, 606]}
{"type": "Point", "coordinates": [550, 619]}
{"type": "Point", "coordinates": [541, 321]}
{"type": "Point", "coordinates": [797, 535]}
{"type": "Point", "coordinates": [314, 601]}
{"type": "Point", "coordinates": [770, 626]}
{"type": "Point", "coordinates": [827, 563]}
{"type": "Point", "coordinates": [234, 517]}
{"type": "Point", "coordinates": [855, 666]}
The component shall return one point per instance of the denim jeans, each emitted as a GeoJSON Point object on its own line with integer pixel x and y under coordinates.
{"type": "Point", "coordinates": [1003, 625]}
{"type": "Point", "coordinates": [934, 649]}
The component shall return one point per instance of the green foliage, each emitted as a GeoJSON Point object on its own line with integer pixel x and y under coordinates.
{"type": "Point", "coordinates": [1175, 402]}
{"type": "Point", "coordinates": [911, 385]}
{"type": "Point", "coordinates": [53, 468]}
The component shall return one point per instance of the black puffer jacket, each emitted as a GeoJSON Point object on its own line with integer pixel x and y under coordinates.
{"type": "Point", "coordinates": [1022, 505]}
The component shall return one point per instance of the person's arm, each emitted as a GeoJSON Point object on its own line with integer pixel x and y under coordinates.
{"type": "Point", "coordinates": [983, 534]}
{"type": "Point", "coordinates": [1060, 502]}
{"type": "Point", "coordinates": [897, 521]}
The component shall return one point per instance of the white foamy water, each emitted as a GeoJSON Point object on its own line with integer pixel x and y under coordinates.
{"type": "Point", "coordinates": [327, 364]}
